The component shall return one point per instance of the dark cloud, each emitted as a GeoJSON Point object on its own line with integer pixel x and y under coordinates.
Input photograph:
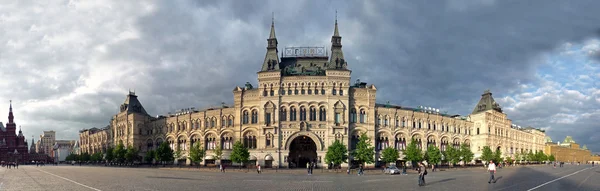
{"type": "Point", "coordinates": [193, 53]}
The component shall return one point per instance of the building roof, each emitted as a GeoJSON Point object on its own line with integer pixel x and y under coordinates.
{"type": "Point", "coordinates": [569, 139]}
{"type": "Point", "coordinates": [486, 103]}
{"type": "Point", "coordinates": [133, 105]}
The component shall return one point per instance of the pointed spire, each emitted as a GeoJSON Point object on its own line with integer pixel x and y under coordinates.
{"type": "Point", "coordinates": [11, 117]}
{"type": "Point", "coordinates": [272, 35]}
{"type": "Point", "coordinates": [336, 32]}
{"type": "Point", "coordinates": [271, 62]}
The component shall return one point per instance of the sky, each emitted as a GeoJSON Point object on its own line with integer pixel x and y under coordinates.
{"type": "Point", "coordinates": [68, 64]}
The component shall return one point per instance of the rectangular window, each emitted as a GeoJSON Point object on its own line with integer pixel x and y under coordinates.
{"type": "Point", "coordinates": [337, 117]}
{"type": "Point", "coordinates": [268, 119]}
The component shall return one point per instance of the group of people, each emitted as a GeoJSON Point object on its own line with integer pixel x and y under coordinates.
{"type": "Point", "coordinates": [310, 166]}
{"type": "Point", "coordinates": [10, 165]}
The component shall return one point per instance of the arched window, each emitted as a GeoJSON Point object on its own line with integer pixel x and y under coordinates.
{"type": "Point", "coordinates": [292, 114]}
{"type": "Point", "coordinates": [403, 122]}
{"type": "Point", "coordinates": [245, 117]}
{"type": "Point", "coordinates": [386, 121]}
{"type": "Point", "coordinates": [250, 140]}
{"type": "Point", "coordinates": [313, 114]}
{"type": "Point", "coordinates": [352, 115]}
{"type": "Point", "coordinates": [363, 115]}
{"type": "Point", "coordinates": [283, 114]}
{"type": "Point", "coordinates": [149, 145]}
{"type": "Point", "coordinates": [354, 140]}
{"type": "Point", "coordinates": [254, 117]}
{"type": "Point", "coordinates": [333, 91]}
{"type": "Point", "coordinates": [382, 142]}
{"type": "Point", "coordinates": [223, 121]}
{"type": "Point", "coordinates": [226, 142]}
{"type": "Point", "coordinates": [420, 124]}
{"type": "Point", "coordinates": [400, 142]}
{"type": "Point", "coordinates": [213, 122]}
{"type": "Point", "coordinates": [302, 113]}
{"type": "Point", "coordinates": [230, 121]}
{"type": "Point", "coordinates": [322, 114]}
{"type": "Point", "coordinates": [211, 142]}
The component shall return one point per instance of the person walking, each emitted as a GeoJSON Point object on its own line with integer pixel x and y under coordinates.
{"type": "Point", "coordinates": [258, 169]}
{"type": "Point", "coordinates": [420, 170]}
{"type": "Point", "coordinates": [492, 169]}
{"type": "Point", "coordinates": [592, 163]}
{"type": "Point", "coordinates": [308, 167]}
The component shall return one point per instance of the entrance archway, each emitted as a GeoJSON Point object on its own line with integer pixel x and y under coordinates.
{"type": "Point", "coordinates": [302, 150]}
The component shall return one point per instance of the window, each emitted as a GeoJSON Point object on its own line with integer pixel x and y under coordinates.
{"type": "Point", "coordinates": [419, 124]}
{"type": "Point", "coordinates": [302, 91]}
{"type": "Point", "coordinates": [254, 116]}
{"type": "Point", "coordinates": [337, 118]}
{"type": "Point", "coordinates": [353, 141]}
{"type": "Point", "coordinates": [289, 92]}
{"type": "Point", "coordinates": [230, 122]}
{"type": "Point", "coordinates": [250, 141]}
{"type": "Point", "coordinates": [309, 91]}
{"type": "Point", "coordinates": [302, 114]}
{"type": "Point", "coordinates": [282, 92]}
{"type": "Point", "coordinates": [386, 122]}
{"type": "Point", "coordinates": [400, 143]}
{"type": "Point", "coordinates": [293, 114]}
{"type": "Point", "coordinates": [213, 122]}
{"type": "Point", "coordinates": [333, 91]}
{"type": "Point", "coordinates": [322, 91]}
{"type": "Point", "coordinates": [322, 114]}
{"type": "Point", "coordinates": [403, 123]}
{"type": "Point", "coordinates": [265, 93]}
{"type": "Point", "coordinates": [313, 114]}
{"type": "Point", "coordinates": [352, 115]}
{"type": "Point", "coordinates": [223, 122]}
{"type": "Point", "coordinates": [295, 91]}
{"type": "Point", "coordinates": [211, 142]}
{"type": "Point", "coordinates": [227, 142]}
{"type": "Point", "coordinates": [341, 92]}
{"type": "Point", "coordinates": [269, 140]}
{"type": "Point", "coordinates": [283, 115]}
{"type": "Point", "coordinates": [268, 119]}
{"type": "Point", "coordinates": [272, 92]}
{"type": "Point", "coordinates": [382, 143]}
{"type": "Point", "coordinates": [245, 117]}
{"type": "Point", "coordinates": [363, 115]}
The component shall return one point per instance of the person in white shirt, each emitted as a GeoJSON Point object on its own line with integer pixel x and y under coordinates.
{"type": "Point", "coordinates": [492, 169]}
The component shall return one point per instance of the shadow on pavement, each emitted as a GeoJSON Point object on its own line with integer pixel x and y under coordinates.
{"type": "Point", "coordinates": [441, 181]}
{"type": "Point", "coordinates": [176, 178]}
{"type": "Point", "coordinates": [527, 178]}
{"type": "Point", "coordinates": [500, 177]}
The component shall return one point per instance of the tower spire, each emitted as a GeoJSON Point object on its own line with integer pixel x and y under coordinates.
{"type": "Point", "coordinates": [271, 61]}
{"type": "Point", "coordinates": [336, 61]}
{"type": "Point", "coordinates": [11, 117]}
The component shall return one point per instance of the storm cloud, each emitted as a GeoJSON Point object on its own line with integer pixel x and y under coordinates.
{"type": "Point", "coordinates": [67, 65]}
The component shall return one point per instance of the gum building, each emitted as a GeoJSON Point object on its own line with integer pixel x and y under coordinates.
{"type": "Point", "coordinates": [303, 102]}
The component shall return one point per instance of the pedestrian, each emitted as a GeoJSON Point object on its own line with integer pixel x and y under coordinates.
{"type": "Point", "coordinates": [348, 170]}
{"type": "Point", "coordinates": [492, 169]}
{"type": "Point", "coordinates": [404, 169]}
{"type": "Point", "coordinates": [420, 169]}
{"type": "Point", "coordinates": [258, 168]}
{"type": "Point", "coordinates": [592, 163]}
{"type": "Point", "coordinates": [308, 167]}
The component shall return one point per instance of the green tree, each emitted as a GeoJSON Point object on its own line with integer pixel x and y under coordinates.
{"type": "Point", "coordinates": [120, 152]}
{"type": "Point", "coordinates": [218, 154]}
{"type": "Point", "coordinates": [364, 152]}
{"type": "Point", "coordinates": [177, 154]}
{"type": "Point", "coordinates": [239, 154]}
{"type": "Point", "coordinates": [518, 156]}
{"type": "Point", "coordinates": [509, 160]}
{"type": "Point", "coordinates": [487, 154]}
{"type": "Point", "coordinates": [110, 156]}
{"type": "Point", "coordinates": [70, 157]}
{"type": "Point", "coordinates": [196, 153]}
{"type": "Point", "coordinates": [132, 154]}
{"type": "Point", "coordinates": [149, 156]}
{"type": "Point", "coordinates": [551, 158]}
{"type": "Point", "coordinates": [530, 156]}
{"type": "Point", "coordinates": [412, 153]}
{"type": "Point", "coordinates": [498, 156]}
{"type": "Point", "coordinates": [434, 156]}
{"type": "Point", "coordinates": [389, 155]}
{"type": "Point", "coordinates": [336, 153]}
{"type": "Point", "coordinates": [452, 155]}
{"type": "Point", "coordinates": [466, 153]}
{"type": "Point", "coordinates": [85, 157]}
{"type": "Point", "coordinates": [164, 153]}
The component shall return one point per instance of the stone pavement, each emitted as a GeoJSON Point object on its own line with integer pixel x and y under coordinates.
{"type": "Point", "coordinates": [114, 178]}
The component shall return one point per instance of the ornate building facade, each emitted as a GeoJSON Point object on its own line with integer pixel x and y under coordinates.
{"type": "Point", "coordinates": [304, 101]}
{"type": "Point", "coordinates": [13, 146]}
{"type": "Point", "coordinates": [492, 128]}
{"type": "Point", "coordinates": [94, 140]}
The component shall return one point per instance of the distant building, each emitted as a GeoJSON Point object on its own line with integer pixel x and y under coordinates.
{"type": "Point", "coordinates": [46, 143]}
{"type": "Point", "coordinates": [94, 140]}
{"type": "Point", "coordinates": [61, 149]}
{"type": "Point", "coordinates": [568, 151]}
{"type": "Point", "coordinates": [13, 147]}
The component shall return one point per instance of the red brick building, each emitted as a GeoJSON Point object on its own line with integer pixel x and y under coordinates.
{"type": "Point", "coordinates": [13, 146]}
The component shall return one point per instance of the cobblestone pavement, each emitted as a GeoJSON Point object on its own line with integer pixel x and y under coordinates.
{"type": "Point", "coordinates": [112, 178]}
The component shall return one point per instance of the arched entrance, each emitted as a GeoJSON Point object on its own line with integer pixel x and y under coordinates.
{"type": "Point", "coordinates": [302, 150]}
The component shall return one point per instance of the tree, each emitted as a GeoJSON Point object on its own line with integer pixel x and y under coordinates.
{"type": "Point", "coordinates": [110, 156]}
{"type": "Point", "coordinates": [196, 153]}
{"type": "Point", "coordinates": [530, 156]}
{"type": "Point", "coordinates": [218, 154]}
{"type": "Point", "coordinates": [434, 156]}
{"type": "Point", "coordinates": [149, 156]}
{"type": "Point", "coordinates": [164, 153]}
{"type": "Point", "coordinates": [518, 156]}
{"type": "Point", "coordinates": [120, 152]}
{"type": "Point", "coordinates": [389, 155]}
{"type": "Point", "coordinates": [131, 154]}
{"type": "Point", "coordinates": [452, 155]}
{"type": "Point", "coordinates": [498, 156]}
{"type": "Point", "coordinates": [336, 153]}
{"type": "Point", "coordinates": [364, 152]}
{"type": "Point", "coordinates": [85, 157]}
{"type": "Point", "coordinates": [177, 154]}
{"type": "Point", "coordinates": [551, 158]}
{"type": "Point", "coordinates": [412, 153]}
{"type": "Point", "coordinates": [239, 154]}
{"type": "Point", "coordinates": [70, 157]}
{"type": "Point", "coordinates": [466, 153]}
{"type": "Point", "coordinates": [487, 154]}
{"type": "Point", "coordinates": [509, 160]}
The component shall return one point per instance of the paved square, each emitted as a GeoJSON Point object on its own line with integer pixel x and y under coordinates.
{"type": "Point", "coordinates": [110, 178]}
